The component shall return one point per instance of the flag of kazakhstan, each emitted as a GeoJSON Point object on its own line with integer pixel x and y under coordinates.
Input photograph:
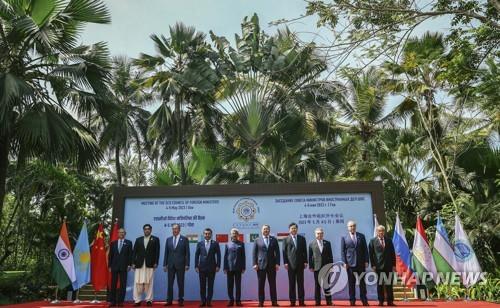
{"type": "Point", "coordinates": [81, 257]}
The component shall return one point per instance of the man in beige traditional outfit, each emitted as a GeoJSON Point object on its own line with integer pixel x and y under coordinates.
{"type": "Point", "coordinates": [146, 255]}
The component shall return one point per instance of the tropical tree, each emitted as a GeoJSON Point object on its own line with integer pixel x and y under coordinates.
{"type": "Point", "coordinates": [43, 71]}
{"type": "Point", "coordinates": [183, 78]}
{"type": "Point", "coordinates": [125, 122]}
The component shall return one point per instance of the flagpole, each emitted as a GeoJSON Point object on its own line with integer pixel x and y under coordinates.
{"type": "Point", "coordinates": [56, 301]}
{"type": "Point", "coordinates": [95, 300]}
{"type": "Point", "coordinates": [77, 301]}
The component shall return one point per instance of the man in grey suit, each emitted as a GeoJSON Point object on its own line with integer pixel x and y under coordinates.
{"type": "Point", "coordinates": [234, 266]}
{"type": "Point", "coordinates": [207, 263]}
{"type": "Point", "coordinates": [354, 254]}
{"type": "Point", "coordinates": [176, 263]}
{"type": "Point", "coordinates": [266, 261]}
{"type": "Point", "coordinates": [320, 254]}
{"type": "Point", "coordinates": [295, 260]}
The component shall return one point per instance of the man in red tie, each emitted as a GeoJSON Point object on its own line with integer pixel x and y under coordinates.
{"type": "Point", "coordinates": [383, 261]}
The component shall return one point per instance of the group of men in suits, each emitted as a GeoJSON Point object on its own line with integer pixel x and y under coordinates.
{"type": "Point", "coordinates": [266, 259]}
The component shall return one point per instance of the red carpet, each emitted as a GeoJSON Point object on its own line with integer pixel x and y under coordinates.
{"type": "Point", "coordinates": [220, 304]}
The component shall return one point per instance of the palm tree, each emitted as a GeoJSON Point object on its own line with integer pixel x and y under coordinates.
{"type": "Point", "coordinates": [183, 77]}
{"type": "Point", "coordinates": [126, 122]}
{"type": "Point", "coordinates": [43, 71]}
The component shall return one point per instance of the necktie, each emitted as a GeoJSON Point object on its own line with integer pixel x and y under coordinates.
{"type": "Point", "coordinates": [207, 245]}
{"type": "Point", "coordinates": [175, 242]}
{"type": "Point", "coordinates": [294, 241]}
{"type": "Point", "coordinates": [320, 244]}
{"type": "Point", "coordinates": [120, 246]}
{"type": "Point", "coordinates": [266, 241]}
{"type": "Point", "coordinates": [353, 237]}
{"type": "Point", "coordinates": [382, 242]}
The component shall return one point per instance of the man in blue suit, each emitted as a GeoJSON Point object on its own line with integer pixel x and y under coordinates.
{"type": "Point", "coordinates": [355, 256]}
{"type": "Point", "coordinates": [266, 261]}
{"type": "Point", "coordinates": [176, 263]}
{"type": "Point", "coordinates": [207, 263]}
{"type": "Point", "coordinates": [234, 266]}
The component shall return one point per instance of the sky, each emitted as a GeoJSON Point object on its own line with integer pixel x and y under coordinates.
{"type": "Point", "coordinates": [133, 21]}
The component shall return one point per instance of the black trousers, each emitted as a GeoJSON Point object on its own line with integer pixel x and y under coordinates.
{"type": "Point", "coordinates": [117, 295]}
{"type": "Point", "coordinates": [172, 274]}
{"type": "Point", "coordinates": [270, 273]}
{"type": "Point", "coordinates": [317, 290]}
{"type": "Point", "coordinates": [385, 284]}
{"type": "Point", "coordinates": [234, 279]}
{"type": "Point", "coordinates": [206, 286]}
{"type": "Point", "coordinates": [351, 279]}
{"type": "Point", "coordinates": [295, 280]}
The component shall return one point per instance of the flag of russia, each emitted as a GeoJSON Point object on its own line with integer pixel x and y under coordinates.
{"type": "Point", "coordinates": [403, 255]}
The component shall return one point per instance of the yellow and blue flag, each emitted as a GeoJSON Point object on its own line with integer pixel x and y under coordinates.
{"type": "Point", "coordinates": [81, 257]}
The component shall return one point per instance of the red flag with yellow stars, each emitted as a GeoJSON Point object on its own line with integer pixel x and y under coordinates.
{"type": "Point", "coordinates": [99, 261]}
{"type": "Point", "coordinates": [113, 237]}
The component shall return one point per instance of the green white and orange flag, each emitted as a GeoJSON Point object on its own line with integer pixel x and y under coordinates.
{"type": "Point", "coordinates": [63, 268]}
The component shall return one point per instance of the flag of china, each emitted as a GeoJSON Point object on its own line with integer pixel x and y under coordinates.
{"type": "Point", "coordinates": [113, 237]}
{"type": "Point", "coordinates": [98, 261]}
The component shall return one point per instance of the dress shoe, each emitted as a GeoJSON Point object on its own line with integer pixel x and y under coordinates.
{"type": "Point", "coordinates": [381, 304]}
{"type": "Point", "coordinates": [230, 304]}
{"type": "Point", "coordinates": [301, 303]}
{"type": "Point", "coordinates": [261, 304]}
{"type": "Point", "coordinates": [329, 303]}
{"type": "Point", "coordinates": [137, 304]}
{"type": "Point", "coordinates": [181, 303]}
{"type": "Point", "coordinates": [275, 304]}
{"type": "Point", "coordinates": [203, 304]}
{"type": "Point", "coordinates": [391, 304]}
{"type": "Point", "coordinates": [167, 303]}
{"type": "Point", "coordinates": [317, 304]}
{"type": "Point", "coordinates": [353, 303]}
{"type": "Point", "coordinates": [366, 304]}
{"type": "Point", "coordinates": [239, 304]}
{"type": "Point", "coordinates": [149, 303]}
{"type": "Point", "coordinates": [292, 304]}
{"type": "Point", "coordinates": [209, 304]}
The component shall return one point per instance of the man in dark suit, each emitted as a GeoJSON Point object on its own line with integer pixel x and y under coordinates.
{"type": "Point", "coordinates": [145, 255]}
{"type": "Point", "coordinates": [266, 261]}
{"type": "Point", "coordinates": [176, 263]}
{"type": "Point", "coordinates": [295, 260]}
{"type": "Point", "coordinates": [354, 254]}
{"type": "Point", "coordinates": [119, 263]}
{"type": "Point", "coordinates": [234, 266]}
{"type": "Point", "coordinates": [320, 254]}
{"type": "Point", "coordinates": [207, 263]}
{"type": "Point", "coordinates": [383, 261]}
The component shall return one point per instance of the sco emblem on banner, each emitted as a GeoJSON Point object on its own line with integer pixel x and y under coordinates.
{"type": "Point", "coordinates": [462, 251]}
{"type": "Point", "coordinates": [245, 209]}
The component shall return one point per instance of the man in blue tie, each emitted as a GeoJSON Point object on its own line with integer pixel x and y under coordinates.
{"type": "Point", "coordinates": [266, 261]}
{"type": "Point", "coordinates": [176, 263]}
{"type": "Point", "coordinates": [354, 252]}
{"type": "Point", "coordinates": [119, 263]}
{"type": "Point", "coordinates": [207, 260]}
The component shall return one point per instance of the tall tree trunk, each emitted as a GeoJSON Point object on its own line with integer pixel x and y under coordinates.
{"type": "Point", "coordinates": [251, 171]}
{"type": "Point", "coordinates": [118, 166]}
{"type": "Point", "coordinates": [180, 139]}
{"type": "Point", "coordinates": [4, 164]}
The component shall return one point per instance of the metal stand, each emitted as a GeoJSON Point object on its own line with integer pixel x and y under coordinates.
{"type": "Point", "coordinates": [467, 297]}
{"type": "Point", "coordinates": [95, 300]}
{"type": "Point", "coordinates": [405, 298]}
{"type": "Point", "coordinates": [56, 300]}
{"type": "Point", "coordinates": [77, 301]}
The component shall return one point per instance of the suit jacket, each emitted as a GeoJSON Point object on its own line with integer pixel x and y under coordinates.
{"type": "Point", "coordinates": [207, 261]}
{"type": "Point", "coordinates": [179, 256]}
{"type": "Point", "coordinates": [295, 257]}
{"type": "Point", "coordinates": [354, 255]}
{"type": "Point", "coordinates": [119, 261]}
{"type": "Point", "coordinates": [266, 257]}
{"type": "Point", "coordinates": [318, 258]}
{"type": "Point", "coordinates": [383, 258]}
{"type": "Point", "coordinates": [234, 256]}
{"type": "Point", "coordinates": [150, 254]}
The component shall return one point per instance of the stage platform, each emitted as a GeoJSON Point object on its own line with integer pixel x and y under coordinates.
{"type": "Point", "coordinates": [220, 304]}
